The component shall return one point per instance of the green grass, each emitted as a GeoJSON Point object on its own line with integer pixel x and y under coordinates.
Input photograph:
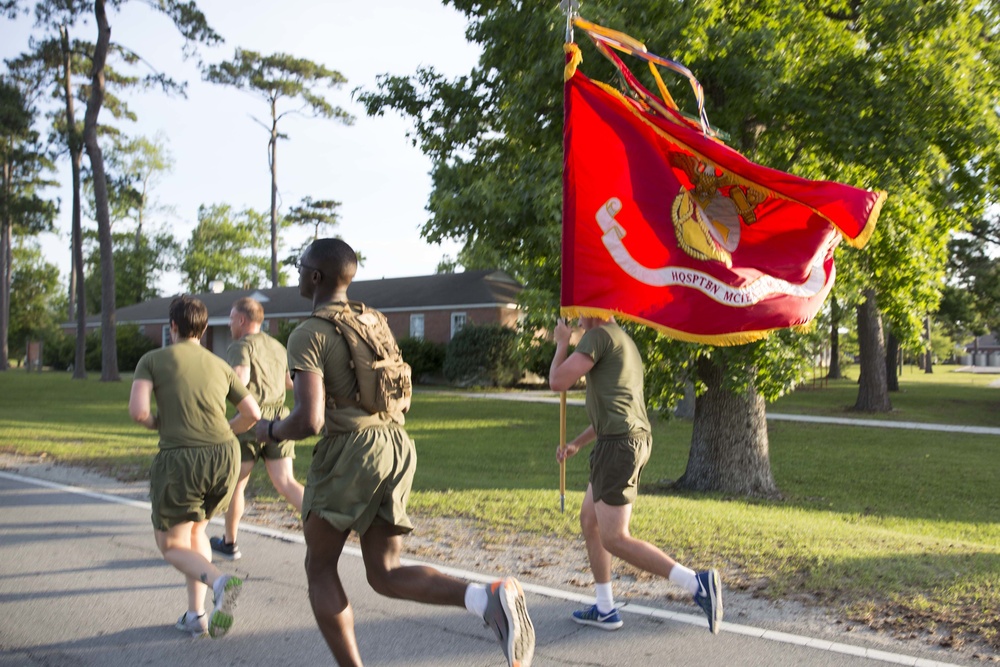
{"type": "Point", "coordinates": [941, 397]}
{"type": "Point", "coordinates": [898, 528]}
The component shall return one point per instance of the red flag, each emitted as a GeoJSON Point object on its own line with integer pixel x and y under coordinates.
{"type": "Point", "coordinates": [669, 227]}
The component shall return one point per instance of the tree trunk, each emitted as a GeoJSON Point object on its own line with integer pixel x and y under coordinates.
{"type": "Point", "coordinates": [873, 394]}
{"type": "Point", "coordinates": [76, 286]}
{"type": "Point", "coordinates": [834, 372]}
{"type": "Point", "coordinates": [891, 353]}
{"type": "Point", "coordinates": [5, 272]}
{"type": "Point", "coordinates": [274, 195]}
{"type": "Point", "coordinates": [929, 357]}
{"type": "Point", "coordinates": [109, 351]}
{"type": "Point", "coordinates": [729, 445]}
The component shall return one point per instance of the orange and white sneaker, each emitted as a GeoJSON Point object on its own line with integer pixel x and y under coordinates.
{"type": "Point", "coordinates": [507, 614]}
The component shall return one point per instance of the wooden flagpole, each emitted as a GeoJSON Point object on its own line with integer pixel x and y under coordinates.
{"type": "Point", "coordinates": [571, 7]}
{"type": "Point", "coordinates": [562, 447]}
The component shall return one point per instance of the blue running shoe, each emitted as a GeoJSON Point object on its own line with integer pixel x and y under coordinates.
{"type": "Point", "coordinates": [590, 616]}
{"type": "Point", "coordinates": [709, 598]}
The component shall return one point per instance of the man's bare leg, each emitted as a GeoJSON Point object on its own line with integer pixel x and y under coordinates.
{"type": "Point", "coordinates": [238, 504]}
{"type": "Point", "coordinates": [600, 558]}
{"type": "Point", "coordinates": [282, 476]}
{"type": "Point", "coordinates": [330, 605]}
{"type": "Point", "coordinates": [381, 546]}
{"type": "Point", "coordinates": [182, 548]}
{"type": "Point", "coordinates": [613, 523]}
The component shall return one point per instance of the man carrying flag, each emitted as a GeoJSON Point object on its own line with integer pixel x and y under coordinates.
{"type": "Point", "coordinates": [616, 406]}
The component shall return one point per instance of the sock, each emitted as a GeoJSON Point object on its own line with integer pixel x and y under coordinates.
{"type": "Point", "coordinates": [605, 599]}
{"type": "Point", "coordinates": [684, 578]}
{"type": "Point", "coordinates": [475, 599]}
{"type": "Point", "coordinates": [192, 615]}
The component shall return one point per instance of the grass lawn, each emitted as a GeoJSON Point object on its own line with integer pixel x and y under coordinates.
{"type": "Point", "coordinates": [898, 528]}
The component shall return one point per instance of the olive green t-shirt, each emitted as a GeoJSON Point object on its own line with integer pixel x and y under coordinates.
{"type": "Point", "coordinates": [616, 404]}
{"type": "Point", "coordinates": [316, 347]}
{"type": "Point", "coordinates": [191, 386]}
{"type": "Point", "coordinates": [268, 364]}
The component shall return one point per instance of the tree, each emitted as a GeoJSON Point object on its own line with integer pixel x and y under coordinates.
{"type": "Point", "coordinates": [226, 246]}
{"type": "Point", "coordinates": [277, 78]}
{"type": "Point", "coordinates": [192, 25]}
{"type": "Point", "coordinates": [970, 305]}
{"type": "Point", "coordinates": [493, 136]}
{"type": "Point", "coordinates": [320, 215]}
{"type": "Point", "coordinates": [65, 65]}
{"type": "Point", "coordinates": [23, 211]}
{"type": "Point", "coordinates": [35, 297]}
{"type": "Point", "coordinates": [142, 253]}
{"type": "Point", "coordinates": [137, 267]}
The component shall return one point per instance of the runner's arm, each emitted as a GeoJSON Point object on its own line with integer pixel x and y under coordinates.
{"type": "Point", "coordinates": [243, 373]}
{"type": "Point", "coordinates": [139, 408]}
{"type": "Point", "coordinates": [307, 417]}
{"type": "Point", "coordinates": [247, 414]}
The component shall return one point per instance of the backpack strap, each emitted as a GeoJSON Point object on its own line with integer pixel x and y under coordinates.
{"type": "Point", "coordinates": [335, 317]}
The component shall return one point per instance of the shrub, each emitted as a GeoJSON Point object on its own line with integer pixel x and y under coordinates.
{"type": "Point", "coordinates": [484, 355]}
{"type": "Point", "coordinates": [424, 357]}
{"type": "Point", "coordinates": [132, 344]}
{"type": "Point", "coordinates": [59, 351]}
{"type": "Point", "coordinates": [536, 355]}
{"type": "Point", "coordinates": [285, 329]}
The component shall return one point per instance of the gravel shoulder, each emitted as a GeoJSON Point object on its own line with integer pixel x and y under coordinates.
{"type": "Point", "coordinates": [557, 563]}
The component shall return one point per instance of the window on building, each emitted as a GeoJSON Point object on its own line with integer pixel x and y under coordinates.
{"type": "Point", "coordinates": [417, 326]}
{"type": "Point", "coordinates": [457, 323]}
{"type": "Point", "coordinates": [165, 340]}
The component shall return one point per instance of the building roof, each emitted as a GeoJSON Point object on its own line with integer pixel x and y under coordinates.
{"type": "Point", "coordinates": [451, 291]}
{"type": "Point", "coordinates": [984, 343]}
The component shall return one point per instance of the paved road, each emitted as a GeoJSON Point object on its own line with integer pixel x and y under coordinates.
{"type": "Point", "coordinates": [81, 584]}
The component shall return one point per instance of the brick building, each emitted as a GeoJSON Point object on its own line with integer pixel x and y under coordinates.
{"type": "Point", "coordinates": [431, 307]}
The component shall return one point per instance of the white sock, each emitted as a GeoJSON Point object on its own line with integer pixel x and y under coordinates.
{"type": "Point", "coordinates": [605, 599]}
{"type": "Point", "coordinates": [684, 578]}
{"type": "Point", "coordinates": [193, 615]}
{"type": "Point", "coordinates": [475, 599]}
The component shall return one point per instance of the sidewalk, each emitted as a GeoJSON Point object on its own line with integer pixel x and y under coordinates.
{"type": "Point", "coordinates": [545, 397]}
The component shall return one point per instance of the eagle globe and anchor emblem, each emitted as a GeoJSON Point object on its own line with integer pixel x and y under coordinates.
{"type": "Point", "coordinates": [707, 221]}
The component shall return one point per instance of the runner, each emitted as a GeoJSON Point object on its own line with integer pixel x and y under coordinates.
{"type": "Point", "coordinates": [261, 363]}
{"type": "Point", "coordinates": [616, 405]}
{"type": "Point", "coordinates": [360, 478]}
{"type": "Point", "coordinates": [195, 470]}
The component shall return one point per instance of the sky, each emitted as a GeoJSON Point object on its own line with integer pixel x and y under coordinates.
{"type": "Point", "coordinates": [220, 151]}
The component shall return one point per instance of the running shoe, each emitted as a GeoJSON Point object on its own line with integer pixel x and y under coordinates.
{"type": "Point", "coordinates": [227, 589]}
{"type": "Point", "coordinates": [590, 616]}
{"type": "Point", "coordinates": [196, 627]}
{"type": "Point", "coordinates": [507, 614]}
{"type": "Point", "coordinates": [225, 549]}
{"type": "Point", "coordinates": [709, 598]}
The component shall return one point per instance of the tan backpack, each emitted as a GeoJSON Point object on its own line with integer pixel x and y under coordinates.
{"type": "Point", "coordinates": [384, 380]}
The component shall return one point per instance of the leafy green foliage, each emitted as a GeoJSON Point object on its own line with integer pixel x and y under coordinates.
{"type": "Point", "coordinates": [139, 263]}
{"type": "Point", "coordinates": [35, 297]}
{"type": "Point", "coordinates": [280, 77]}
{"type": "Point", "coordinates": [880, 109]}
{"type": "Point", "coordinates": [483, 354]}
{"type": "Point", "coordinates": [226, 246]}
{"type": "Point", "coordinates": [23, 167]}
{"type": "Point", "coordinates": [536, 354]}
{"type": "Point", "coordinates": [58, 350]}
{"type": "Point", "coordinates": [425, 357]}
{"type": "Point", "coordinates": [971, 301]}
{"type": "Point", "coordinates": [284, 78]}
{"type": "Point", "coordinates": [285, 329]}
